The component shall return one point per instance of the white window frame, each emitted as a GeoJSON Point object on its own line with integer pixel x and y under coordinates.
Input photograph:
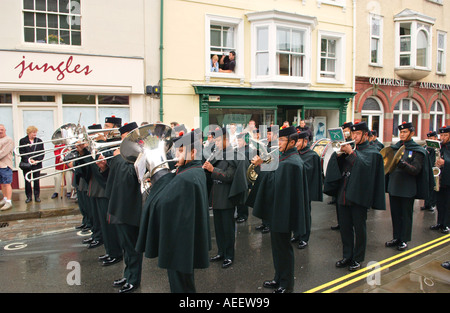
{"type": "Point", "coordinates": [273, 20]}
{"type": "Point", "coordinates": [442, 50]}
{"type": "Point", "coordinates": [338, 3]}
{"type": "Point", "coordinates": [379, 38]}
{"type": "Point", "coordinates": [340, 57]}
{"type": "Point", "coordinates": [371, 113]}
{"type": "Point", "coordinates": [410, 112]}
{"type": "Point", "coordinates": [416, 27]}
{"type": "Point", "coordinates": [238, 25]}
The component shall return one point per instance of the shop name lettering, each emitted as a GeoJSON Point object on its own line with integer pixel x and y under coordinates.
{"type": "Point", "coordinates": [401, 83]}
{"type": "Point", "coordinates": [63, 68]}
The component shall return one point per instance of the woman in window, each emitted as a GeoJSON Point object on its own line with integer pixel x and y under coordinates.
{"type": "Point", "coordinates": [215, 63]}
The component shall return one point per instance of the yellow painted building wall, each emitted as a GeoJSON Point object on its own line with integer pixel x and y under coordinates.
{"type": "Point", "coordinates": [184, 47]}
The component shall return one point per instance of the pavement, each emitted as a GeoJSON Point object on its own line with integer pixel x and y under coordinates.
{"type": "Point", "coordinates": [416, 270]}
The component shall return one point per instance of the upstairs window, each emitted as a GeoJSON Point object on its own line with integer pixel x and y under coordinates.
{"type": "Point", "coordinates": [441, 52]}
{"type": "Point", "coordinates": [52, 21]}
{"type": "Point", "coordinates": [376, 42]}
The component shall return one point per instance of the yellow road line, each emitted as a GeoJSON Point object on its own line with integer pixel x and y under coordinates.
{"type": "Point", "coordinates": [379, 263]}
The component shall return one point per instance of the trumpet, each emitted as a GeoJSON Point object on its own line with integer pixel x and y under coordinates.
{"type": "Point", "coordinates": [266, 156]}
{"type": "Point", "coordinates": [336, 145]}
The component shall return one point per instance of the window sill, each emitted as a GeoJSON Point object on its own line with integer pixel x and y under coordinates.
{"type": "Point", "coordinates": [226, 76]}
{"type": "Point", "coordinates": [330, 81]}
{"type": "Point", "coordinates": [281, 83]}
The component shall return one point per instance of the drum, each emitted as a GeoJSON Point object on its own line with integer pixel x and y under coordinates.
{"type": "Point", "coordinates": [324, 149]}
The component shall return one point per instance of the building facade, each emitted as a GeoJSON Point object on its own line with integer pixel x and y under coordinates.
{"type": "Point", "coordinates": [401, 66]}
{"type": "Point", "coordinates": [293, 60]}
{"type": "Point", "coordinates": [71, 61]}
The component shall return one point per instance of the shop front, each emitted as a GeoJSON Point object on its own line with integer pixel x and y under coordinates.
{"type": "Point", "coordinates": [384, 103]}
{"type": "Point", "coordinates": [48, 90]}
{"type": "Point", "coordinates": [271, 106]}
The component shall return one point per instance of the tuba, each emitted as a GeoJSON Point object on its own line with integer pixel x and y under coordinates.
{"type": "Point", "coordinates": [147, 147]}
{"type": "Point", "coordinates": [391, 158]}
{"type": "Point", "coordinates": [265, 156]}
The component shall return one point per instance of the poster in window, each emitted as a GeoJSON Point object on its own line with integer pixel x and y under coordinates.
{"type": "Point", "coordinates": [320, 127]}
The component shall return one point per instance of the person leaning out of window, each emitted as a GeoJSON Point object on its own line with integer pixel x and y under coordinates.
{"type": "Point", "coordinates": [30, 143]}
{"type": "Point", "coordinates": [228, 65]}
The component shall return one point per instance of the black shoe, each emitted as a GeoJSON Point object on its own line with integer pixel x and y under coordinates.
{"type": "Point", "coordinates": [354, 266]}
{"type": "Point", "coordinates": [227, 263]}
{"type": "Point", "coordinates": [271, 284]}
{"type": "Point", "coordinates": [392, 243]}
{"type": "Point", "coordinates": [127, 288]}
{"type": "Point", "coordinates": [241, 220]}
{"type": "Point", "coordinates": [295, 239]}
{"type": "Point", "coordinates": [37, 199]}
{"type": "Point", "coordinates": [446, 265]}
{"type": "Point", "coordinates": [88, 240]}
{"type": "Point", "coordinates": [103, 257]}
{"type": "Point", "coordinates": [28, 200]}
{"type": "Point", "coordinates": [80, 226]}
{"type": "Point", "coordinates": [302, 244]}
{"type": "Point", "coordinates": [54, 195]}
{"type": "Point", "coordinates": [282, 290]}
{"type": "Point", "coordinates": [110, 261]}
{"type": "Point", "coordinates": [94, 244]}
{"type": "Point", "coordinates": [343, 263]}
{"type": "Point", "coordinates": [260, 227]}
{"type": "Point", "coordinates": [435, 227]}
{"type": "Point", "coordinates": [216, 258]}
{"type": "Point", "coordinates": [402, 246]}
{"type": "Point", "coordinates": [337, 227]}
{"type": "Point", "coordinates": [265, 230]}
{"type": "Point", "coordinates": [119, 282]}
{"type": "Point", "coordinates": [445, 230]}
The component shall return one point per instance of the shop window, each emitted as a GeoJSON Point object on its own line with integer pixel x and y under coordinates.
{"type": "Point", "coordinates": [437, 115]}
{"type": "Point", "coordinates": [441, 52]}
{"type": "Point", "coordinates": [224, 46]}
{"type": "Point", "coordinates": [376, 40]}
{"type": "Point", "coordinates": [52, 21]}
{"type": "Point", "coordinates": [406, 110]}
{"type": "Point", "coordinates": [36, 98]}
{"type": "Point", "coordinates": [5, 98]}
{"type": "Point", "coordinates": [332, 57]}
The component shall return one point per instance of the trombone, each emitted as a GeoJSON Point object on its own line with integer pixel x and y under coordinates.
{"type": "Point", "coordinates": [94, 147]}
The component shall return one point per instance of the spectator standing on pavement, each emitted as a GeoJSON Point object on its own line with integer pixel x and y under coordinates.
{"type": "Point", "coordinates": [6, 153]}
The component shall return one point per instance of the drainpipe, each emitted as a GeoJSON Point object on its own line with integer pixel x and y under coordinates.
{"type": "Point", "coordinates": [354, 60]}
{"type": "Point", "coordinates": [161, 48]}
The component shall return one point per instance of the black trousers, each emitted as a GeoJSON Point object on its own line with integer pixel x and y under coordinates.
{"type": "Point", "coordinates": [402, 217]}
{"type": "Point", "coordinates": [443, 206]}
{"type": "Point", "coordinates": [352, 222]}
{"type": "Point", "coordinates": [225, 227]}
{"type": "Point", "coordinates": [283, 259]}
{"type": "Point", "coordinates": [109, 231]}
{"type": "Point", "coordinates": [128, 235]}
{"type": "Point", "coordinates": [181, 282]}
{"type": "Point", "coordinates": [96, 226]}
{"type": "Point", "coordinates": [82, 205]}
{"type": "Point", "coordinates": [36, 185]}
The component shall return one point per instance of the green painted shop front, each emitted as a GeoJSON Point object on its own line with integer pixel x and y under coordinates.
{"type": "Point", "coordinates": [222, 106]}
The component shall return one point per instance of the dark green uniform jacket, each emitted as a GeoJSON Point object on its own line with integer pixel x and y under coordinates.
{"type": "Point", "coordinates": [175, 221]}
{"type": "Point", "coordinates": [286, 193]}
{"type": "Point", "coordinates": [362, 183]}
{"type": "Point", "coordinates": [413, 176]}
{"type": "Point", "coordinates": [377, 144]}
{"type": "Point", "coordinates": [445, 170]}
{"type": "Point", "coordinates": [124, 192]}
{"type": "Point", "coordinates": [311, 161]}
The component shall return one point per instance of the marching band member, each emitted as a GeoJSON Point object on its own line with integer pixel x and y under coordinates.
{"type": "Point", "coordinates": [356, 178]}
{"type": "Point", "coordinates": [124, 210]}
{"type": "Point", "coordinates": [244, 149]}
{"type": "Point", "coordinates": [228, 189]}
{"type": "Point", "coordinates": [443, 195]}
{"type": "Point", "coordinates": [173, 229]}
{"type": "Point", "coordinates": [311, 161]}
{"type": "Point", "coordinates": [411, 179]}
{"type": "Point", "coordinates": [284, 192]}
{"type": "Point", "coordinates": [373, 140]}
{"type": "Point", "coordinates": [430, 202]}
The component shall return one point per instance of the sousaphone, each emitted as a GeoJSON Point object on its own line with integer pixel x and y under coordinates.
{"type": "Point", "coordinates": [391, 158]}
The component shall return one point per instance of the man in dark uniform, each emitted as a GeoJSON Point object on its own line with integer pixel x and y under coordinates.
{"type": "Point", "coordinates": [373, 140]}
{"type": "Point", "coordinates": [443, 195]}
{"type": "Point", "coordinates": [311, 161]}
{"type": "Point", "coordinates": [411, 179]}
{"type": "Point", "coordinates": [287, 187]}
{"type": "Point", "coordinates": [356, 178]}
{"type": "Point", "coordinates": [244, 149]}
{"type": "Point", "coordinates": [124, 210]}
{"type": "Point", "coordinates": [228, 189]}
{"type": "Point", "coordinates": [430, 202]}
{"type": "Point", "coordinates": [176, 224]}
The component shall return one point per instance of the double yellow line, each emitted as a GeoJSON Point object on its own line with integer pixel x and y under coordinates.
{"type": "Point", "coordinates": [377, 266]}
